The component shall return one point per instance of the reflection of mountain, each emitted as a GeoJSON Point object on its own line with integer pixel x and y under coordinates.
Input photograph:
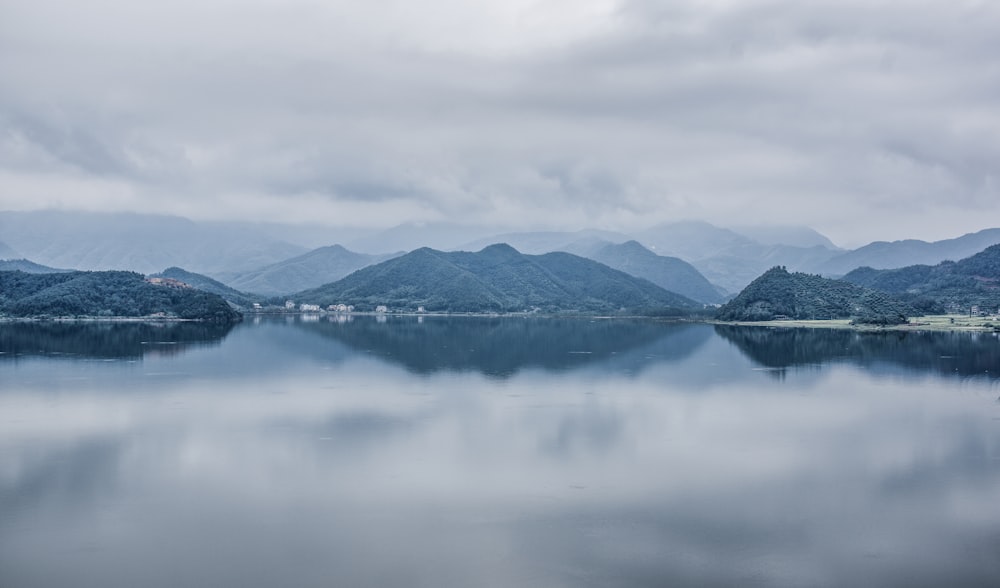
{"type": "Point", "coordinates": [502, 346]}
{"type": "Point", "coordinates": [955, 354]}
{"type": "Point", "coordinates": [105, 340]}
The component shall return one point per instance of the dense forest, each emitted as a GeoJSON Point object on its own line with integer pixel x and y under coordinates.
{"type": "Point", "coordinates": [207, 284]}
{"type": "Point", "coordinates": [971, 281]}
{"type": "Point", "coordinates": [778, 293]}
{"type": "Point", "coordinates": [106, 294]}
{"type": "Point", "coordinates": [498, 279]}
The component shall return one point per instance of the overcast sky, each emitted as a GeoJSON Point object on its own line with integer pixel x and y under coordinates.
{"type": "Point", "coordinates": [865, 120]}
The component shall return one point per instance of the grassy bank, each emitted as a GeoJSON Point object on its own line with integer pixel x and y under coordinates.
{"type": "Point", "coordinates": [943, 322]}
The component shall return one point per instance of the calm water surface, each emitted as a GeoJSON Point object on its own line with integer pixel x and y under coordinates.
{"type": "Point", "coordinates": [496, 452]}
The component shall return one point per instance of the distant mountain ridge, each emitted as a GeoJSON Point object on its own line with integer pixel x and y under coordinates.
{"type": "Point", "coordinates": [497, 279]}
{"type": "Point", "coordinates": [974, 280]}
{"type": "Point", "coordinates": [7, 252]}
{"type": "Point", "coordinates": [669, 273]}
{"type": "Point", "coordinates": [309, 270]}
{"type": "Point", "coordinates": [897, 254]}
{"type": "Point", "coordinates": [27, 266]}
{"type": "Point", "coordinates": [136, 242]}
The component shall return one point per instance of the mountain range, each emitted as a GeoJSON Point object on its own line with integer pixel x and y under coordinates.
{"type": "Point", "coordinates": [974, 280]}
{"type": "Point", "coordinates": [309, 270]}
{"type": "Point", "coordinates": [497, 279]}
{"type": "Point", "coordinates": [273, 259]}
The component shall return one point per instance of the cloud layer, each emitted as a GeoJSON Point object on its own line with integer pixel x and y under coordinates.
{"type": "Point", "coordinates": [863, 120]}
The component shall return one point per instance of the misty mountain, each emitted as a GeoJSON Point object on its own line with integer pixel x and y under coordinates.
{"type": "Point", "coordinates": [795, 236]}
{"type": "Point", "coordinates": [28, 267]}
{"type": "Point", "coordinates": [669, 273]}
{"type": "Point", "coordinates": [497, 279]}
{"type": "Point", "coordinates": [538, 242]}
{"type": "Point", "coordinates": [732, 260]}
{"type": "Point", "coordinates": [207, 284]}
{"type": "Point", "coordinates": [410, 236]}
{"type": "Point", "coordinates": [142, 243]}
{"type": "Point", "coordinates": [974, 280]}
{"type": "Point", "coordinates": [309, 270]}
{"type": "Point", "coordinates": [7, 252]}
{"type": "Point", "coordinates": [897, 254]}
{"type": "Point", "coordinates": [779, 293]}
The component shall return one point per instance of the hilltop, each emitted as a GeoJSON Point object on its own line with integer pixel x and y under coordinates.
{"type": "Point", "coordinates": [207, 284]}
{"type": "Point", "coordinates": [778, 293]}
{"type": "Point", "coordinates": [498, 279]}
{"type": "Point", "coordinates": [108, 294]}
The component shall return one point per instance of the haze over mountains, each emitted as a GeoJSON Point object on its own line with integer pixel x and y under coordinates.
{"type": "Point", "coordinates": [696, 259]}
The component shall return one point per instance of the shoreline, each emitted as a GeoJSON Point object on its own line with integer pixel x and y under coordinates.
{"type": "Point", "coordinates": [953, 323]}
{"type": "Point", "coordinates": [940, 322]}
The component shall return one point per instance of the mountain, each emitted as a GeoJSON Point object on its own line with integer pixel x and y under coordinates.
{"type": "Point", "coordinates": [309, 270]}
{"type": "Point", "coordinates": [959, 285]}
{"type": "Point", "coordinates": [6, 252]}
{"type": "Point", "coordinates": [113, 293]}
{"type": "Point", "coordinates": [897, 254]}
{"type": "Point", "coordinates": [794, 236]}
{"type": "Point", "coordinates": [731, 260]}
{"type": "Point", "coordinates": [669, 273]}
{"type": "Point", "coordinates": [207, 284]}
{"type": "Point", "coordinates": [139, 242]}
{"type": "Point", "coordinates": [409, 236]}
{"type": "Point", "coordinates": [538, 242]}
{"type": "Point", "coordinates": [28, 267]}
{"type": "Point", "coordinates": [804, 296]}
{"type": "Point", "coordinates": [497, 279]}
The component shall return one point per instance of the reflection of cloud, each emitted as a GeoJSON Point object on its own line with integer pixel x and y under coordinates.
{"type": "Point", "coordinates": [944, 353]}
{"type": "Point", "coordinates": [355, 471]}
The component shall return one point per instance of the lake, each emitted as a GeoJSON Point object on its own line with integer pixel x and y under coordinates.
{"type": "Point", "coordinates": [448, 452]}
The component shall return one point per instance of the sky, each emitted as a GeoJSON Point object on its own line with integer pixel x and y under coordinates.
{"type": "Point", "coordinates": [864, 120]}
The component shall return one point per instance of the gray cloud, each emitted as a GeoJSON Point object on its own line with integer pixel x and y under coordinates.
{"type": "Point", "coordinates": [535, 114]}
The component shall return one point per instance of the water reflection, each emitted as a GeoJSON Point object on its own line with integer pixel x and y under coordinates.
{"type": "Point", "coordinates": [105, 339]}
{"type": "Point", "coordinates": [292, 455]}
{"type": "Point", "coordinates": [504, 346]}
{"type": "Point", "coordinates": [945, 353]}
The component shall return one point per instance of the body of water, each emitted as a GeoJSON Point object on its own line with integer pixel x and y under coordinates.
{"type": "Point", "coordinates": [453, 452]}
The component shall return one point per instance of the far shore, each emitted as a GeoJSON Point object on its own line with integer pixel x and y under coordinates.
{"type": "Point", "coordinates": [942, 322]}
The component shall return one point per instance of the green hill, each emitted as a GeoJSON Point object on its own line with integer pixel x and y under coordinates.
{"type": "Point", "coordinates": [207, 284]}
{"type": "Point", "coordinates": [778, 293]}
{"type": "Point", "coordinates": [112, 293]}
{"type": "Point", "coordinates": [971, 281]}
{"type": "Point", "coordinates": [497, 279]}
{"type": "Point", "coordinates": [669, 273]}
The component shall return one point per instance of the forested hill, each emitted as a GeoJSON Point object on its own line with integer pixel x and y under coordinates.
{"type": "Point", "coordinates": [971, 281]}
{"type": "Point", "coordinates": [207, 284]}
{"type": "Point", "coordinates": [498, 279]}
{"type": "Point", "coordinates": [778, 293]}
{"type": "Point", "coordinates": [111, 293]}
